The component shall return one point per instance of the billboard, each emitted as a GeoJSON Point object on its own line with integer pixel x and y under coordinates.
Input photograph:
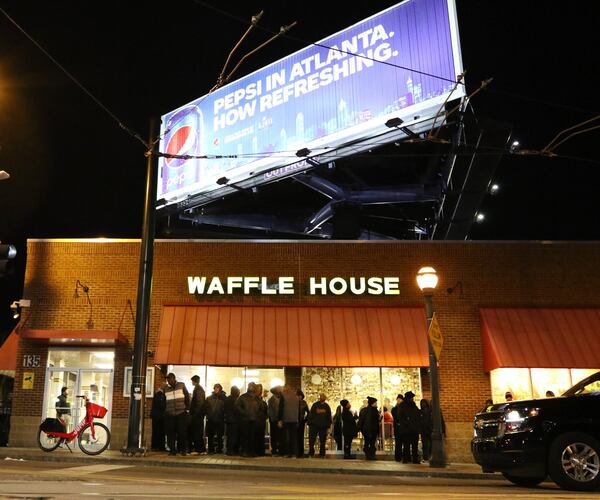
{"type": "Point", "coordinates": [326, 98]}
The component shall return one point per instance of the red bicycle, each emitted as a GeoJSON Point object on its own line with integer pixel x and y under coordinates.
{"type": "Point", "coordinates": [93, 438]}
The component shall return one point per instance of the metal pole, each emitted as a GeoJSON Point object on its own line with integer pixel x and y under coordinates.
{"type": "Point", "coordinates": [438, 455]}
{"type": "Point", "coordinates": [135, 425]}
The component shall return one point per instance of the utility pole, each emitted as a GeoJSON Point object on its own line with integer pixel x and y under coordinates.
{"type": "Point", "coordinates": [135, 425]}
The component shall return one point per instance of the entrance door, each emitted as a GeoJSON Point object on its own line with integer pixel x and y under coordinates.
{"type": "Point", "coordinates": [96, 384]}
{"type": "Point", "coordinates": [56, 379]}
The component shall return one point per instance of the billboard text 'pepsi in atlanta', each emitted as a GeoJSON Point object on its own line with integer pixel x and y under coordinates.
{"type": "Point", "coordinates": [402, 62]}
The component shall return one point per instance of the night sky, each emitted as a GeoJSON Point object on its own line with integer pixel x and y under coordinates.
{"type": "Point", "coordinates": [75, 173]}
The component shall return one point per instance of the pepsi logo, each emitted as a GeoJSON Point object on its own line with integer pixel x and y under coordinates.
{"type": "Point", "coordinates": [181, 142]}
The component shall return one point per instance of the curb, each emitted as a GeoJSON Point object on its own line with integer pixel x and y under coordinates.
{"type": "Point", "coordinates": [427, 472]}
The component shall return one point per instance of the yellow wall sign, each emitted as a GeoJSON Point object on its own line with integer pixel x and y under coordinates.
{"type": "Point", "coordinates": [435, 337]}
{"type": "Point", "coordinates": [28, 378]}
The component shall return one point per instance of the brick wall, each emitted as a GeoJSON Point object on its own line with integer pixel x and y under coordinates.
{"type": "Point", "coordinates": [492, 274]}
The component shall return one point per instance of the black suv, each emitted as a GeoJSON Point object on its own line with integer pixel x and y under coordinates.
{"type": "Point", "coordinates": [528, 440]}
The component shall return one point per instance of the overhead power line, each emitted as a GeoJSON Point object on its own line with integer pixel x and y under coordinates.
{"type": "Point", "coordinates": [120, 122]}
{"type": "Point", "coordinates": [323, 46]}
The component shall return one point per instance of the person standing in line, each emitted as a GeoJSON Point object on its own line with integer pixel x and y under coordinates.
{"type": "Point", "coordinates": [177, 417]}
{"type": "Point", "coordinates": [349, 429]}
{"type": "Point", "coordinates": [302, 418]}
{"type": "Point", "coordinates": [289, 409]}
{"type": "Point", "coordinates": [319, 421]}
{"type": "Point", "coordinates": [397, 438]}
{"type": "Point", "coordinates": [214, 408]}
{"type": "Point", "coordinates": [368, 425]}
{"type": "Point", "coordinates": [409, 427]}
{"type": "Point", "coordinates": [157, 414]}
{"type": "Point", "coordinates": [248, 407]}
{"type": "Point", "coordinates": [232, 423]}
{"type": "Point", "coordinates": [261, 423]}
{"type": "Point", "coordinates": [273, 411]}
{"type": "Point", "coordinates": [337, 428]}
{"type": "Point", "coordinates": [196, 430]}
{"type": "Point", "coordinates": [426, 428]}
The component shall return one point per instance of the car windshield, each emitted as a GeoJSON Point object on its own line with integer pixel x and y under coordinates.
{"type": "Point", "coordinates": [586, 386]}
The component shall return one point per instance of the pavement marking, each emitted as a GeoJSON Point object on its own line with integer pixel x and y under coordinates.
{"type": "Point", "coordinates": [297, 489]}
{"type": "Point", "coordinates": [84, 469]}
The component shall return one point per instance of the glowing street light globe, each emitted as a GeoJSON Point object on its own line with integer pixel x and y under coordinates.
{"type": "Point", "coordinates": [427, 278]}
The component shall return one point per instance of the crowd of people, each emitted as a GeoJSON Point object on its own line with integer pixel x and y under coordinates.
{"type": "Point", "coordinates": [237, 423]}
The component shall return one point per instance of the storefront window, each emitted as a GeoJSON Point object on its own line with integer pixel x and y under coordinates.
{"type": "Point", "coordinates": [228, 376]}
{"type": "Point", "coordinates": [555, 380]}
{"type": "Point", "coordinates": [398, 381]}
{"type": "Point", "coordinates": [75, 358]}
{"type": "Point", "coordinates": [578, 375]}
{"type": "Point", "coordinates": [526, 383]}
{"type": "Point", "coordinates": [514, 380]}
{"type": "Point", "coordinates": [317, 380]}
{"type": "Point", "coordinates": [355, 384]}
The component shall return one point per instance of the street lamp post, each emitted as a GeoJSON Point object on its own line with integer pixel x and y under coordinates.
{"type": "Point", "coordinates": [427, 280]}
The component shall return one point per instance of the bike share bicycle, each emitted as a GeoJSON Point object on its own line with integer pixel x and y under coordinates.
{"type": "Point", "coordinates": [93, 437]}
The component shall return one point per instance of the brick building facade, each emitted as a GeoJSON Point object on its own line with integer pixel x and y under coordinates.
{"type": "Point", "coordinates": [479, 274]}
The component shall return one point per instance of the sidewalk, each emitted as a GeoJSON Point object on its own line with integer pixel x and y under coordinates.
{"type": "Point", "coordinates": [311, 465]}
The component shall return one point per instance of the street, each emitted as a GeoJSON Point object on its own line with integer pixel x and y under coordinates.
{"type": "Point", "coordinates": [42, 479]}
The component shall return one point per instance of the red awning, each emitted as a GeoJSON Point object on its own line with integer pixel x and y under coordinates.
{"type": "Point", "coordinates": [8, 352]}
{"type": "Point", "coordinates": [74, 337]}
{"type": "Point", "coordinates": [540, 338]}
{"type": "Point", "coordinates": [292, 336]}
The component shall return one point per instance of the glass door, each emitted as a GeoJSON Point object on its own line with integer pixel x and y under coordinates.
{"type": "Point", "coordinates": [87, 372]}
{"type": "Point", "coordinates": [56, 379]}
{"type": "Point", "coordinates": [95, 384]}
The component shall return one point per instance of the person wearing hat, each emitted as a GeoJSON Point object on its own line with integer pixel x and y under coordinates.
{"type": "Point", "coordinates": [408, 427]}
{"type": "Point", "coordinates": [349, 428]}
{"type": "Point", "coordinates": [396, 417]}
{"type": "Point", "coordinates": [368, 425]}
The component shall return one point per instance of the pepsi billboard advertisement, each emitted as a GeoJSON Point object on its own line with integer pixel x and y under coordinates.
{"type": "Point", "coordinates": [402, 62]}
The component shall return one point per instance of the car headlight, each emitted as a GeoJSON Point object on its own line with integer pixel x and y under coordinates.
{"type": "Point", "coordinates": [518, 420]}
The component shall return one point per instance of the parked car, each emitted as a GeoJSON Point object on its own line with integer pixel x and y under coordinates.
{"type": "Point", "coordinates": [558, 437]}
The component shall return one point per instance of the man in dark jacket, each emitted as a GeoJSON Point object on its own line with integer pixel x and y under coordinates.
{"type": "Point", "coordinates": [302, 419]}
{"type": "Point", "coordinates": [289, 409]}
{"type": "Point", "coordinates": [261, 423]}
{"type": "Point", "coordinates": [214, 408]}
{"type": "Point", "coordinates": [197, 418]}
{"type": "Point", "coordinates": [348, 427]}
{"type": "Point", "coordinates": [319, 421]}
{"type": "Point", "coordinates": [408, 427]}
{"type": "Point", "coordinates": [397, 438]}
{"type": "Point", "coordinates": [274, 430]}
{"type": "Point", "coordinates": [157, 414]}
{"type": "Point", "coordinates": [368, 424]}
{"type": "Point", "coordinates": [232, 422]}
{"type": "Point", "coordinates": [248, 406]}
{"type": "Point", "coordinates": [177, 419]}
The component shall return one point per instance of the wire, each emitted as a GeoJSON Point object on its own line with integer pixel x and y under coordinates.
{"type": "Point", "coordinates": [323, 46]}
{"type": "Point", "coordinates": [253, 23]}
{"type": "Point", "coordinates": [120, 122]}
{"type": "Point", "coordinates": [550, 145]}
